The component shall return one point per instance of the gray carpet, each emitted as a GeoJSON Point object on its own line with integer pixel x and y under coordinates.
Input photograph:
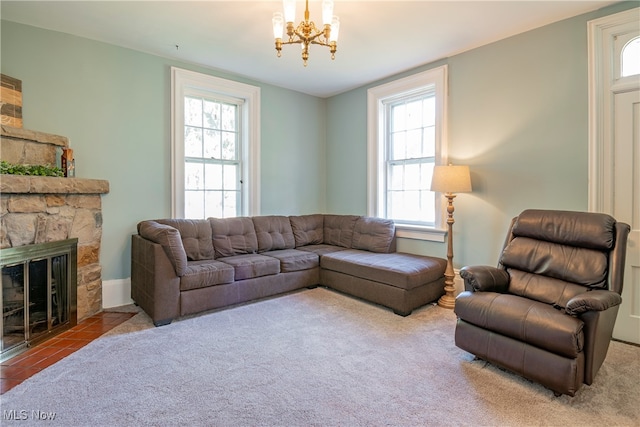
{"type": "Point", "coordinates": [310, 358]}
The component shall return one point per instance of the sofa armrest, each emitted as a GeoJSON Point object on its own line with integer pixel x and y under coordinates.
{"type": "Point", "coordinates": [483, 278]}
{"type": "Point", "coordinates": [598, 300]}
{"type": "Point", "coordinates": [154, 284]}
{"type": "Point", "coordinates": [169, 238]}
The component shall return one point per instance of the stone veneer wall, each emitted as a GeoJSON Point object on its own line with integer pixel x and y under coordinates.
{"type": "Point", "coordinates": [46, 209]}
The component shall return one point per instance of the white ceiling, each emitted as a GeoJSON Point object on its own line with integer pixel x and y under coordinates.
{"type": "Point", "coordinates": [377, 38]}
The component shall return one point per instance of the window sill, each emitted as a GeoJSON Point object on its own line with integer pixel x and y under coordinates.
{"type": "Point", "coordinates": [418, 232]}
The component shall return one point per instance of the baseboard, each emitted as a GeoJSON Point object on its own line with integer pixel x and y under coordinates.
{"type": "Point", "coordinates": [116, 293]}
{"type": "Point", "coordinates": [458, 282]}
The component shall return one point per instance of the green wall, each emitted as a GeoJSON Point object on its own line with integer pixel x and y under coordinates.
{"type": "Point", "coordinates": [114, 106]}
{"type": "Point", "coordinates": [294, 158]}
{"type": "Point", "coordinates": [517, 116]}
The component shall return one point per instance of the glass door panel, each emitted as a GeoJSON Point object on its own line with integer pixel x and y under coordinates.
{"type": "Point", "coordinates": [59, 297]}
{"type": "Point", "coordinates": [38, 294]}
{"type": "Point", "coordinates": [13, 331]}
{"type": "Point", "coordinates": [38, 301]}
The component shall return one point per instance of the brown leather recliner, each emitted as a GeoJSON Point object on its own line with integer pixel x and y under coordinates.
{"type": "Point", "coordinates": [547, 311]}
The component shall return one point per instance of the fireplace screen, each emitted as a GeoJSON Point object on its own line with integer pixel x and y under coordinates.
{"type": "Point", "coordinates": [38, 293]}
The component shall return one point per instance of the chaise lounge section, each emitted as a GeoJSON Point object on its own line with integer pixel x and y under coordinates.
{"type": "Point", "coordinates": [182, 266]}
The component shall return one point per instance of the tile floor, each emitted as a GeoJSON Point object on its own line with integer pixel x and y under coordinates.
{"type": "Point", "coordinates": [37, 358]}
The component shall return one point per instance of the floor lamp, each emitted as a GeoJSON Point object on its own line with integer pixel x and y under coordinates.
{"type": "Point", "coordinates": [448, 180]}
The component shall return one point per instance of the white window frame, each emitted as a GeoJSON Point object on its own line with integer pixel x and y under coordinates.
{"type": "Point", "coordinates": [376, 148]}
{"type": "Point", "coordinates": [184, 82]}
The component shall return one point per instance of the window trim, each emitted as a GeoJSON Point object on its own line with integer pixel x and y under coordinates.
{"type": "Point", "coordinates": [605, 81]}
{"type": "Point", "coordinates": [183, 80]}
{"type": "Point", "coordinates": [376, 97]}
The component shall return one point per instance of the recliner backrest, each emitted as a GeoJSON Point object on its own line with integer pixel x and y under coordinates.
{"type": "Point", "coordinates": [555, 255]}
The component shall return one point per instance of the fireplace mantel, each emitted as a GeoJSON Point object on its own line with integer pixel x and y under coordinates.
{"type": "Point", "coordinates": [19, 184]}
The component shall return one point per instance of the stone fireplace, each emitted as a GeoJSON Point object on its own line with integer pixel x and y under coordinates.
{"type": "Point", "coordinates": [35, 210]}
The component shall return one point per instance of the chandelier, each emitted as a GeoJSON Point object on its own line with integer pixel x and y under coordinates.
{"type": "Point", "coordinates": [306, 33]}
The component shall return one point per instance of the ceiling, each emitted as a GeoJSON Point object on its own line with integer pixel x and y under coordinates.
{"type": "Point", "coordinates": [377, 38]}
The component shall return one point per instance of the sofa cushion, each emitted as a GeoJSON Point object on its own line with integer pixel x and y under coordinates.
{"type": "Point", "coordinates": [338, 229]}
{"type": "Point", "coordinates": [195, 235]}
{"type": "Point", "coordinates": [405, 271]}
{"type": "Point", "coordinates": [233, 236]}
{"type": "Point", "coordinates": [373, 234]}
{"type": "Point", "coordinates": [169, 238]}
{"type": "Point", "coordinates": [252, 265]}
{"type": "Point", "coordinates": [523, 319]}
{"type": "Point", "coordinates": [201, 274]}
{"type": "Point", "coordinates": [307, 229]}
{"type": "Point", "coordinates": [321, 249]}
{"type": "Point", "coordinates": [294, 260]}
{"type": "Point", "coordinates": [273, 233]}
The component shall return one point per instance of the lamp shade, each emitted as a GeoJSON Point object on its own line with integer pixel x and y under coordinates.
{"type": "Point", "coordinates": [451, 179]}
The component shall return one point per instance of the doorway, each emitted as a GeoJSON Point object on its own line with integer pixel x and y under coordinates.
{"type": "Point", "coordinates": [614, 144]}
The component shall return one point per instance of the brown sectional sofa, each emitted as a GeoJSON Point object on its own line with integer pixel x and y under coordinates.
{"type": "Point", "coordinates": [181, 266]}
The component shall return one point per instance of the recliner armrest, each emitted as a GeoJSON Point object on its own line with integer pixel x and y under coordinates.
{"type": "Point", "coordinates": [598, 300]}
{"type": "Point", "coordinates": [484, 278]}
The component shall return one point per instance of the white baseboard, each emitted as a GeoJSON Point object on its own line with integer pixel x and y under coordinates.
{"type": "Point", "coordinates": [116, 293]}
{"type": "Point", "coordinates": [458, 282]}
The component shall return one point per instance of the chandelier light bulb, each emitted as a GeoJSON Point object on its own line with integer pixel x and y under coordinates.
{"type": "Point", "coordinates": [327, 11]}
{"type": "Point", "coordinates": [289, 7]}
{"type": "Point", "coordinates": [335, 29]}
{"type": "Point", "coordinates": [278, 25]}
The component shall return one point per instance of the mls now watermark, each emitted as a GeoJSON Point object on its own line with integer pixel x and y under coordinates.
{"type": "Point", "coordinates": [23, 415]}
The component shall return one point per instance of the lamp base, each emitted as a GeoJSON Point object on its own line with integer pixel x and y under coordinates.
{"type": "Point", "coordinates": [448, 300]}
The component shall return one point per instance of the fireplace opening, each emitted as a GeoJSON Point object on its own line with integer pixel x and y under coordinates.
{"type": "Point", "coordinates": [39, 287]}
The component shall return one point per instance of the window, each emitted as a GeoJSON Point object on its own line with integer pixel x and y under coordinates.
{"type": "Point", "coordinates": [631, 58]}
{"type": "Point", "coordinates": [410, 156]}
{"type": "Point", "coordinates": [406, 138]}
{"type": "Point", "coordinates": [212, 153]}
{"type": "Point", "coordinates": [215, 146]}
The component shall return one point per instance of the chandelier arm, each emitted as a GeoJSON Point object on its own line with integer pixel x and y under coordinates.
{"type": "Point", "coordinates": [315, 36]}
{"type": "Point", "coordinates": [321, 42]}
{"type": "Point", "coordinates": [308, 38]}
{"type": "Point", "coordinates": [291, 41]}
{"type": "Point", "coordinates": [301, 37]}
